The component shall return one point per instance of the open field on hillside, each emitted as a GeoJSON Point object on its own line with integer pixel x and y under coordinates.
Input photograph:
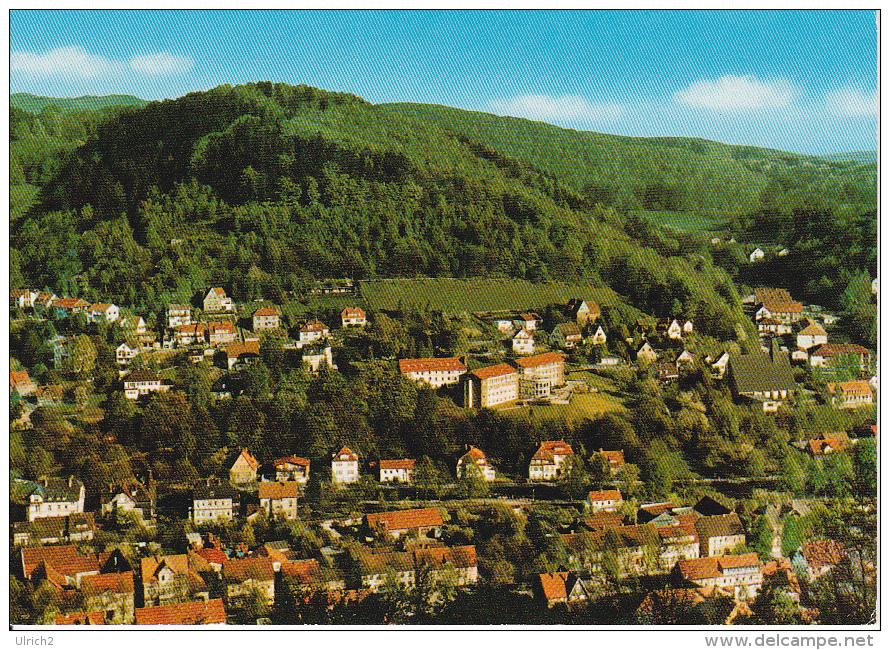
{"type": "Point", "coordinates": [482, 294]}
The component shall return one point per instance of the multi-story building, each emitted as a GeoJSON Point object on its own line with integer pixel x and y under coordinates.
{"type": "Point", "coordinates": [266, 318]}
{"type": "Point", "coordinates": [524, 342]}
{"type": "Point", "coordinates": [219, 332]}
{"type": "Point", "coordinates": [547, 463]}
{"type": "Point", "coordinates": [490, 386]}
{"type": "Point", "coordinates": [476, 457]}
{"type": "Point", "coordinates": [719, 534]}
{"type": "Point", "coordinates": [244, 469]}
{"type": "Point", "coordinates": [540, 373]}
{"type": "Point", "coordinates": [104, 312]}
{"type": "Point", "coordinates": [142, 382]}
{"type": "Point", "coordinates": [435, 372]}
{"type": "Point", "coordinates": [344, 466]}
{"type": "Point", "coordinates": [178, 314]}
{"type": "Point", "coordinates": [741, 573]}
{"type": "Point", "coordinates": [604, 500]}
{"type": "Point", "coordinates": [56, 496]}
{"type": "Point", "coordinates": [353, 317]}
{"type": "Point", "coordinates": [313, 331]}
{"type": "Point", "coordinates": [216, 300]}
{"type": "Point", "coordinates": [279, 498]}
{"type": "Point", "coordinates": [292, 468]}
{"type": "Point", "coordinates": [401, 471]}
{"type": "Point", "coordinates": [214, 503]}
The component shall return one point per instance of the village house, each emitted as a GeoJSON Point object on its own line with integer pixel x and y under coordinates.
{"type": "Point", "coordinates": [679, 540]}
{"type": "Point", "coordinates": [266, 318]}
{"type": "Point", "coordinates": [828, 355]}
{"type": "Point", "coordinates": [244, 469]}
{"type": "Point", "coordinates": [344, 466]}
{"type": "Point", "coordinates": [111, 593]}
{"type": "Point", "coordinates": [524, 342]}
{"type": "Point", "coordinates": [312, 331]}
{"type": "Point", "coordinates": [774, 303]}
{"type": "Point", "coordinates": [216, 301]}
{"type": "Point", "coordinates": [490, 386]}
{"type": "Point", "coordinates": [124, 353]}
{"type": "Point", "coordinates": [598, 337]}
{"type": "Point", "coordinates": [811, 336]}
{"type": "Point", "coordinates": [66, 307]}
{"type": "Point", "coordinates": [315, 356]}
{"type": "Point", "coordinates": [646, 353]}
{"type": "Point", "coordinates": [719, 366]}
{"type": "Point", "coordinates": [212, 503]}
{"type": "Point", "coordinates": [173, 579]}
{"type": "Point", "coordinates": [242, 577]}
{"type": "Point", "coordinates": [211, 612]}
{"type": "Point", "coordinates": [130, 496]}
{"type": "Point", "coordinates": [378, 566]}
{"type": "Point", "coordinates": [241, 355]}
{"type": "Point", "coordinates": [548, 461]}
{"type": "Point", "coordinates": [604, 501]}
{"type": "Point", "coordinates": [476, 457]}
{"type": "Point", "coordinates": [103, 312]}
{"type": "Point", "coordinates": [279, 498]}
{"type": "Point", "coordinates": [435, 372]}
{"type": "Point", "coordinates": [850, 394]}
{"type": "Point", "coordinates": [503, 324]}
{"type": "Point", "coordinates": [79, 527]}
{"type": "Point", "coordinates": [567, 335]}
{"type": "Point", "coordinates": [761, 378]}
{"type": "Point", "coordinates": [582, 311]}
{"type": "Point", "coordinates": [397, 471]}
{"type": "Point", "coordinates": [22, 298]}
{"type": "Point", "coordinates": [420, 522]}
{"type": "Point", "coordinates": [540, 373]}
{"type": "Point", "coordinates": [572, 588]}
{"type": "Point", "coordinates": [527, 322]}
{"type": "Point", "coordinates": [292, 468]}
{"type": "Point", "coordinates": [816, 558]}
{"type": "Point", "coordinates": [142, 382]}
{"type": "Point", "coordinates": [56, 496]}
{"type": "Point", "coordinates": [720, 534]}
{"type": "Point", "coordinates": [221, 332]}
{"type": "Point", "coordinates": [185, 335]}
{"type": "Point", "coordinates": [685, 358]}
{"type": "Point", "coordinates": [353, 317]}
{"type": "Point", "coordinates": [307, 576]}
{"type": "Point", "coordinates": [20, 380]}
{"type": "Point", "coordinates": [178, 314]}
{"type": "Point", "coordinates": [65, 566]}
{"type": "Point", "coordinates": [756, 255]}
{"type": "Point", "coordinates": [456, 565]}
{"type": "Point", "coordinates": [671, 328]}
{"type": "Point", "coordinates": [742, 573]}
{"type": "Point", "coordinates": [614, 460]}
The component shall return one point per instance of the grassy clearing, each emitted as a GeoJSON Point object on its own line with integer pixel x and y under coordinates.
{"type": "Point", "coordinates": [686, 222]}
{"type": "Point", "coordinates": [581, 408]}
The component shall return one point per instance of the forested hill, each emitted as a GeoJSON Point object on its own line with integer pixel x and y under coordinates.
{"type": "Point", "coordinates": [35, 103]}
{"type": "Point", "coordinates": [259, 188]}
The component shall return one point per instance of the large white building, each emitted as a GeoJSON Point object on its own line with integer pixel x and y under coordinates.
{"type": "Point", "coordinates": [490, 386]}
{"type": "Point", "coordinates": [540, 373]}
{"type": "Point", "coordinates": [214, 503]}
{"type": "Point", "coordinates": [56, 496]}
{"type": "Point", "coordinates": [435, 372]}
{"type": "Point", "coordinates": [344, 466]}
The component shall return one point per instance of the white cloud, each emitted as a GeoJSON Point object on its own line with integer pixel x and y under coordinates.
{"type": "Point", "coordinates": [738, 93]}
{"type": "Point", "coordinates": [74, 62]}
{"type": "Point", "coordinates": [160, 63]}
{"type": "Point", "coordinates": [549, 108]}
{"type": "Point", "coordinates": [62, 61]}
{"type": "Point", "coordinates": [852, 102]}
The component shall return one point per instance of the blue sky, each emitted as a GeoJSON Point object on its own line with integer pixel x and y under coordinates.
{"type": "Point", "coordinates": [801, 81]}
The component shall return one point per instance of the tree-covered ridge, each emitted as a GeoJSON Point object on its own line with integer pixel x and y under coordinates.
{"type": "Point", "coordinates": [36, 104]}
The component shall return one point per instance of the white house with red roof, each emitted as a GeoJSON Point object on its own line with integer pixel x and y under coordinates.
{"type": "Point", "coordinates": [142, 382]}
{"type": "Point", "coordinates": [604, 500]}
{"type": "Point", "coordinates": [124, 353]}
{"type": "Point", "coordinates": [826, 355]}
{"type": "Point", "coordinates": [221, 332]}
{"type": "Point", "coordinates": [811, 336]}
{"type": "Point", "coordinates": [266, 318]}
{"type": "Point", "coordinates": [292, 468]}
{"type": "Point", "coordinates": [312, 331]}
{"type": "Point", "coordinates": [401, 471]}
{"type": "Point", "coordinates": [104, 312]}
{"type": "Point", "coordinates": [353, 317]}
{"type": "Point", "coordinates": [850, 394]}
{"type": "Point", "coordinates": [279, 498]}
{"type": "Point", "coordinates": [216, 300]}
{"type": "Point", "coordinates": [490, 386]}
{"type": "Point", "coordinates": [435, 372]}
{"type": "Point", "coordinates": [344, 466]}
{"type": "Point", "coordinates": [547, 463]}
{"type": "Point", "coordinates": [244, 469]}
{"type": "Point", "coordinates": [476, 457]}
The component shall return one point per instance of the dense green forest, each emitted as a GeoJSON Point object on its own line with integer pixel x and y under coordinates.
{"type": "Point", "coordinates": [259, 188]}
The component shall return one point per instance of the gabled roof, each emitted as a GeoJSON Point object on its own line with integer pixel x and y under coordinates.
{"type": "Point", "coordinates": [550, 448]}
{"type": "Point", "coordinates": [80, 618]}
{"type": "Point", "coordinates": [554, 585]}
{"type": "Point", "coordinates": [352, 312]}
{"type": "Point", "coordinates": [831, 349]}
{"type": "Point", "coordinates": [19, 378]}
{"type": "Point", "coordinates": [406, 519]}
{"type": "Point", "coordinates": [142, 374]}
{"type": "Point", "coordinates": [813, 329]}
{"type": "Point", "coordinates": [219, 291]}
{"type": "Point", "coordinates": [279, 490]}
{"type": "Point", "coordinates": [567, 329]}
{"type": "Point", "coordinates": [822, 553]}
{"type": "Point", "coordinates": [195, 329]}
{"type": "Point", "coordinates": [118, 583]}
{"type": "Point", "coordinates": [758, 373]}
{"type": "Point", "coordinates": [313, 326]}
{"type": "Point", "coordinates": [291, 460]}
{"type": "Point", "coordinates": [459, 557]}
{"type": "Point", "coordinates": [405, 463]}
{"type": "Point", "coordinates": [376, 561]}
{"type": "Point", "coordinates": [540, 359]}
{"type": "Point", "coordinates": [266, 311]}
{"type": "Point", "coordinates": [613, 457]}
{"type": "Point", "coordinates": [719, 526]}
{"type": "Point", "coordinates": [236, 350]}
{"type": "Point", "coordinates": [712, 567]}
{"type": "Point", "coordinates": [488, 372]}
{"type": "Point", "coordinates": [220, 326]}
{"type": "Point", "coordinates": [474, 455]}
{"type": "Point", "coordinates": [427, 365]}
{"type": "Point", "coordinates": [252, 462]}
{"type": "Point", "coordinates": [100, 307]}
{"type": "Point", "coordinates": [348, 453]}
{"type": "Point", "coordinates": [66, 560]}
{"type": "Point", "coordinates": [213, 555]}
{"type": "Point", "coordinates": [193, 613]}
{"type": "Point", "coordinates": [602, 520]}
{"type": "Point", "coordinates": [524, 334]}
{"type": "Point", "coordinates": [223, 491]}
{"type": "Point", "coordinates": [185, 563]}
{"type": "Point", "coordinates": [258, 569]}
{"type": "Point", "coordinates": [604, 495]}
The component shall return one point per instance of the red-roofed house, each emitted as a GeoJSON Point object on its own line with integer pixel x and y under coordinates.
{"type": "Point", "coordinates": [490, 386]}
{"type": "Point", "coordinates": [478, 458]}
{"type": "Point", "coordinates": [243, 576]}
{"type": "Point", "coordinates": [553, 587]}
{"type": "Point", "coordinates": [173, 578]}
{"type": "Point", "coordinates": [811, 336]}
{"type": "Point", "coordinates": [524, 342]}
{"type": "Point", "coordinates": [189, 333]}
{"type": "Point", "coordinates": [397, 471]}
{"type": "Point", "coordinates": [279, 498]}
{"type": "Point", "coordinates": [456, 565]}
{"type": "Point", "coordinates": [292, 468]}
{"type": "Point", "coordinates": [719, 534]}
{"type": "Point", "coordinates": [435, 372]}
{"type": "Point", "coordinates": [65, 564]}
{"type": "Point", "coordinates": [216, 300]}
{"type": "Point", "coordinates": [567, 335]}
{"type": "Point", "coordinates": [111, 593]}
{"type": "Point", "coordinates": [742, 573]}
{"type": "Point", "coordinates": [400, 522]}
{"type": "Point", "coordinates": [211, 612]}
{"type": "Point", "coordinates": [266, 318]}
{"type": "Point", "coordinates": [241, 353]}
{"type": "Point", "coordinates": [104, 312]}
{"type": "Point", "coordinates": [853, 394]}
{"type": "Point", "coordinates": [313, 331]}
{"type": "Point", "coordinates": [540, 373]}
{"type": "Point", "coordinates": [614, 460]}
{"type": "Point", "coordinates": [21, 381]}
{"type": "Point", "coordinates": [221, 332]}
{"type": "Point", "coordinates": [344, 466]}
{"type": "Point", "coordinates": [244, 469]}
{"type": "Point", "coordinates": [353, 317]}
{"type": "Point", "coordinates": [825, 356]}
{"type": "Point", "coordinates": [547, 463]}
{"type": "Point", "coordinates": [605, 500]}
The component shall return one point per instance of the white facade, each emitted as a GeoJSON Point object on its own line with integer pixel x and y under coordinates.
{"type": "Point", "coordinates": [178, 315]}
{"type": "Point", "coordinates": [344, 467]}
{"type": "Point", "coordinates": [125, 353]}
{"type": "Point", "coordinates": [524, 342]}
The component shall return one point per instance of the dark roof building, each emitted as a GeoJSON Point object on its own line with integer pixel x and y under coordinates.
{"type": "Point", "coordinates": [760, 377]}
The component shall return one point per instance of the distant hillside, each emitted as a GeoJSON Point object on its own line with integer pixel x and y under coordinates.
{"type": "Point", "coordinates": [862, 157]}
{"type": "Point", "coordinates": [35, 104]}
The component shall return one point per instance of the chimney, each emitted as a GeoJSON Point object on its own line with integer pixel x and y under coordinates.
{"type": "Point", "coordinates": [70, 481]}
